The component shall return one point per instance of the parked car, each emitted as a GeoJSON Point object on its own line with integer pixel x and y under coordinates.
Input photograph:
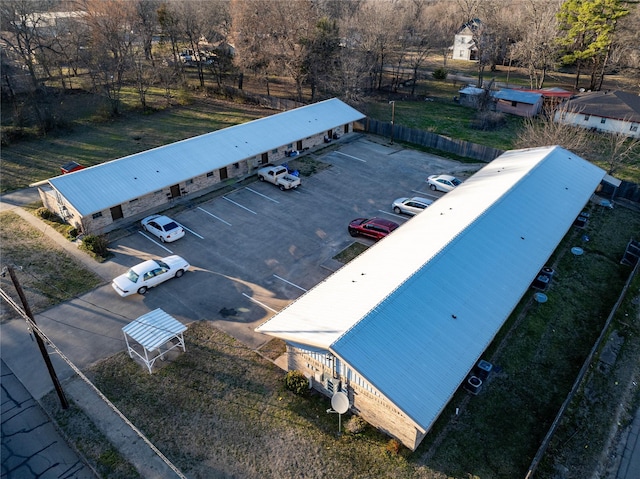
{"type": "Point", "coordinates": [163, 227]}
{"type": "Point", "coordinates": [376, 228]}
{"type": "Point", "coordinates": [149, 274]}
{"type": "Point", "coordinates": [279, 176]}
{"type": "Point", "coordinates": [443, 182]}
{"type": "Point", "coordinates": [410, 206]}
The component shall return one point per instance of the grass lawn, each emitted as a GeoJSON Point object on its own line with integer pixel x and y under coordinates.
{"type": "Point", "coordinates": [47, 274]}
{"type": "Point", "coordinates": [90, 143]}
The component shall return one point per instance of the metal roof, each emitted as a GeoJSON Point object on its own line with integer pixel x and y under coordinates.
{"type": "Point", "coordinates": [520, 96]}
{"type": "Point", "coordinates": [115, 182]}
{"type": "Point", "coordinates": [415, 311]}
{"type": "Point", "coordinates": [154, 329]}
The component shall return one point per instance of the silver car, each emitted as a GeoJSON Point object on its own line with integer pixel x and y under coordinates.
{"type": "Point", "coordinates": [443, 182]}
{"type": "Point", "coordinates": [410, 206]}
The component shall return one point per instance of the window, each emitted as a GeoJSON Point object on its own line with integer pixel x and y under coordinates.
{"type": "Point", "coordinates": [634, 127]}
{"type": "Point", "coordinates": [586, 117]}
{"type": "Point", "coordinates": [603, 120]}
{"type": "Point", "coordinates": [236, 165]}
{"type": "Point", "coordinates": [133, 200]}
{"type": "Point", "coordinates": [210, 174]}
{"type": "Point", "coordinates": [514, 104]}
{"type": "Point", "coordinates": [95, 216]}
{"type": "Point", "coordinates": [190, 182]}
{"type": "Point", "coordinates": [223, 173]}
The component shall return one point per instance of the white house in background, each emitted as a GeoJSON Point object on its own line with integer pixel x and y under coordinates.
{"type": "Point", "coordinates": [464, 45]}
{"type": "Point", "coordinates": [113, 194]}
{"type": "Point", "coordinates": [399, 328]}
{"type": "Point", "coordinates": [606, 111]}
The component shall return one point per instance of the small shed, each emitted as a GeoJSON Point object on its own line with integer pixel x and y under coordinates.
{"type": "Point", "coordinates": [151, 332]}
{"type": "Point", "coordinates": [470, 95]}
{"type": "Point", "coordinates": [518, 102]}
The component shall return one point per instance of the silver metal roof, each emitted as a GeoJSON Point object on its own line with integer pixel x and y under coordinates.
{"type": "Point", "coordinates": [102, 186]}
{"type": "Point", "coordinates": [415, 312]}
{"type": "Point", "coordinates": [154, 329]}
{"type": "Point", "coordinates": [520, 96]}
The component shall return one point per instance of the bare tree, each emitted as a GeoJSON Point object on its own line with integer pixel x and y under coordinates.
{"type": "Point", "coordinates": [544, 131]}
{"type": "Point", "coordinates": [536, 48]}
{"type": "Point", "coordinates": [444, 22]}
{"type": "Point", "coordinates": [618, 150]}
{"type": "Point", "coordinates": [111, 24]}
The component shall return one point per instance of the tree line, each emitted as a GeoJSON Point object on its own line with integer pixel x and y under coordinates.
{"type": "Point", "coordinates": [328, 47]}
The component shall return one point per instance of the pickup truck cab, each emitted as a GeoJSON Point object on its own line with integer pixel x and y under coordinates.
{"type": "Point", "coordinates": [279, 176]}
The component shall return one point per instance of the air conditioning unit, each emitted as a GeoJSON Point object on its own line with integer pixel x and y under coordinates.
{"type": "Point", "coordinates": [332, 385]}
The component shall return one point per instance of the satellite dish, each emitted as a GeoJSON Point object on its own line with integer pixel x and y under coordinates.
{"type": "Point", "coordinates": [340, 402]}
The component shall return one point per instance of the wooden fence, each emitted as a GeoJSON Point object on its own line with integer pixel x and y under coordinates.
{"type": "Point", "coordinates": [461, 148]}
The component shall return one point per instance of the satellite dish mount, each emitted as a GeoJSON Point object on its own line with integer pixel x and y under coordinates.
{"type": "Point", "coordinates": [339, 405]}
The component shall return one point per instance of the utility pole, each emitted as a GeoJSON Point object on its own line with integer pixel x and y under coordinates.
{"type": "Point", "coordinates": [393, 117]}
{"type": "Point", "coordinates": [43, 350]}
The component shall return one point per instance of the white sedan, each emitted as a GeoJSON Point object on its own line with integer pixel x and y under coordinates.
{"type": "Point", "coordinates": [163, 227]}
{"type": "Point", "coordinates": [149, 274]}
{"type": "Point", "coordinates": [443, 182]}
{"type": "Point", "coordinates": [410, 206]}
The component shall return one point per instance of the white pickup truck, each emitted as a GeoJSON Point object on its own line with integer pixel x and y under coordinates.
{"type": "Point", "coordinates": [279, 176]}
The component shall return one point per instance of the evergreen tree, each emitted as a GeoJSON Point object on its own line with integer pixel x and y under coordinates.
{"type": "Point", "coordinates": [587, 32]}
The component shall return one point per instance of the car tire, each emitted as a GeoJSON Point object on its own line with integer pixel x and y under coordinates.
{"type": "Point", "coordinates": [179, 273]}
{"type": "Point", "coordinates": [281, 187]}
{"type": "Point", "coordinates": [144, 227]}
{"type": "Point", "coordinates": [433, 187]}
{"type": "Point", "coordinates": [353, 233]}
{"type": "Point", "coordinates": [397, 210]}
{"type": "Point", "coordinates": [162, 239]}
{"type": "Point", "coordinates": [261, 178]}
{"type": "Point", "coordinates": [142, 290]}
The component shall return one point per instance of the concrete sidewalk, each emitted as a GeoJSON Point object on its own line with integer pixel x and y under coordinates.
{"type": "Point", "coordinates": [630, 462]}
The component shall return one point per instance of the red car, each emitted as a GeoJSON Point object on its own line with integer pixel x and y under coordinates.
{"type": "Point", "coordinates": [375, 228]}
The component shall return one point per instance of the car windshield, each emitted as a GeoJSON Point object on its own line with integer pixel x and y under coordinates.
{"type": "Point", "coordinates": [456, 182]}
{"type": "Point", "coordinates": [171, 226]}
{"type": "Point", "coordinates": [132, 276]}
{"type": "Point", "coordinates": [162, 264]}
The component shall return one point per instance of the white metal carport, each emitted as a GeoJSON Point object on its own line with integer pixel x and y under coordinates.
{"type": "Point", "coordinates": [152, 331]}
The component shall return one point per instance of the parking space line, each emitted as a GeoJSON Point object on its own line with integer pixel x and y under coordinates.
{"type": "Point", "coordinates": [349, 156]}
{"type": "Point", "coordinates": [211, 214]}
{"type": "Point", "coordinates": [154, 241]}
{"type": "Point", "coordinates": [422, 193]}
{"type": "Point", "coordinates": [258, 302]}
{"type": "Point", "coordinates": [289, 282]}
{"type": "Point", "coordinates": [393, 214]}
{"type": "Point", "coordinates": [260, 194]}
{"type": "Point", "coordinates": [238, 204]}
{"type": "Point", "coordinates": [192, 232]}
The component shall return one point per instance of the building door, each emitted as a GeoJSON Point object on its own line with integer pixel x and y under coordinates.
{"type": "Point", "coordinates": [175, 191]}
{"type": "Point", "coordinates": [265, 158]}
{"type": "Point", "coordinates": [299, 145]}
{"type": "Point", "coordinates": [346, 128]}
{"type": "Point", "coordinates": [116, 212]}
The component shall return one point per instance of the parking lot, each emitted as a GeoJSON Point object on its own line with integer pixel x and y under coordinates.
{"type": "Point", "coordinates": [252, 250]}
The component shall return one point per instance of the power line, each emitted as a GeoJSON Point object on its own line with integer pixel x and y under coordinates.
{"type": "Point", "coordinates": [40, 334]}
